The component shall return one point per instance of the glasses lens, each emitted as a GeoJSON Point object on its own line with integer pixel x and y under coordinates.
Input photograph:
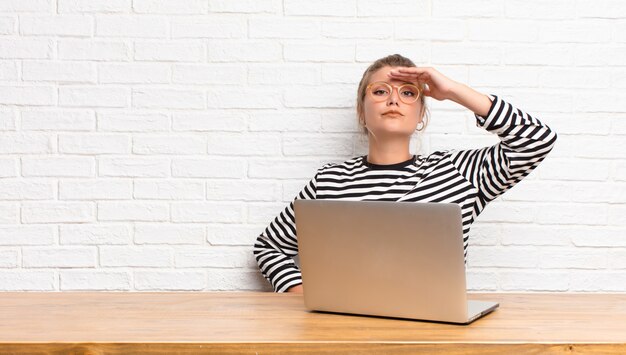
{"type": "Point", "coordinates": [380, 91]}
{"type": "Point", "coordinates": [409, 93]}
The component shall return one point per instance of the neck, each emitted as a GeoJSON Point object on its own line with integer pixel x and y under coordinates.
{"type": "Point", "coordinates": [389, 152]}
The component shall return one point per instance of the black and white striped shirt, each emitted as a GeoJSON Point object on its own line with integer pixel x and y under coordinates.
{"type": "Point", "coordinates": [471, 178]}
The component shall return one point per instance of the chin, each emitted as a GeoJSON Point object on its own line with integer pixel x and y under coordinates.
{"type": "Point", "coordinates": [393, 132]}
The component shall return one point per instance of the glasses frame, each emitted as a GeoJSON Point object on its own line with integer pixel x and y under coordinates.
{"type": "Point", "coordinates": [391, 87]}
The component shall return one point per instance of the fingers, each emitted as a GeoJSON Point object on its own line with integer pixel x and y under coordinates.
{"type": "Point", "coordinates": [409, 72]}
{"type": "Point", "coordinates": [423, 77]}
{"type": "Point", "coordinates": [412, 69]}
{"type": "Point", "coordinates": [401, 71]}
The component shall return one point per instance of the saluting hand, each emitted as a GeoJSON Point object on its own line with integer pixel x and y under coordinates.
{"type": "Point", "coordinates": [439, 86]}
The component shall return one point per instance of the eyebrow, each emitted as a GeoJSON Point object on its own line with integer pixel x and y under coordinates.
{"type": "Point", "coordinates": [404, 82]}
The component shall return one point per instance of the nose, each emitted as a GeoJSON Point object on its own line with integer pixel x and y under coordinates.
{"type": "Point", "coordinates": [394, 96]}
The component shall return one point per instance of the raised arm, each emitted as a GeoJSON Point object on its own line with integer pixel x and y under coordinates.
{"type": "Point", "coordinates": [524, 140]}
{"type": "Point", "coordinates": [524, 143]}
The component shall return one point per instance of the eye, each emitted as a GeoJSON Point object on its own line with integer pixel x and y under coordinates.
{"type": "Point", "coordinates": [379, 92]}
{"type": "Point", "coordinates": [410, 91]}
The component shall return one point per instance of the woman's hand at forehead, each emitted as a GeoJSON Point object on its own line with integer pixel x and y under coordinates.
{"type": "Point", "coordinates": [439, 86]}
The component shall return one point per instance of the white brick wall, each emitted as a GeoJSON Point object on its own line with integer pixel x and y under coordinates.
{"type": "Point", "coordinates": [144, 144]}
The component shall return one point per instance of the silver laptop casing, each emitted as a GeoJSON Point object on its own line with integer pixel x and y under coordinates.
{"type": "Point", "coordinates": [383, 258]}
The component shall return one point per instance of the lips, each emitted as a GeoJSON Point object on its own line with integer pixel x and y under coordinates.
{"type": "Point", "coordinates": [392, 114]}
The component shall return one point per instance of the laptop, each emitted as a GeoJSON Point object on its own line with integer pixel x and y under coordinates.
{"type": "Point", "coordinates": [386, 259]}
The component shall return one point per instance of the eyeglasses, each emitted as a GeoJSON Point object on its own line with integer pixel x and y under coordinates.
{"type": "Point", "coordinates": [380, 91]}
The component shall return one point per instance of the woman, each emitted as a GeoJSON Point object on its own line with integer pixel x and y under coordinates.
{"type": "Point", "coordinates": [390, 107]}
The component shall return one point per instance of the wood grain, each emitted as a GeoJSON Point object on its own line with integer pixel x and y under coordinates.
{"type": "Point", "coordinates": [249, 322]}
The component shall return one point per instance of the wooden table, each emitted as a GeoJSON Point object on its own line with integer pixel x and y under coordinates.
{"type": "Point", "coordinates": [266, 322]}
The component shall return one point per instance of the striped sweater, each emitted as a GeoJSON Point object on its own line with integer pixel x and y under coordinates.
{"type": "Point", "coordinates": [471, 178]}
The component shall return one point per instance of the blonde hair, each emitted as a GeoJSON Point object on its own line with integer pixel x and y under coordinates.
{"type": "Point", "coordinates": [394, 60]}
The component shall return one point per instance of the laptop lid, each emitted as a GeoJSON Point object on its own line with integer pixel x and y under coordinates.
{"type": "Point", "coordinates": [394, 259]}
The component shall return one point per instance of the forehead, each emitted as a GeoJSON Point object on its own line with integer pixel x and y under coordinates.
{"type": "Point", "coordinates": [381, 75]}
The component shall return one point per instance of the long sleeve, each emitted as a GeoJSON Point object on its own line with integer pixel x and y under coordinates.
{"type": "Point", "coordinates": [277, 245]}
{"type": "Point", "coordinates": [524, 143]}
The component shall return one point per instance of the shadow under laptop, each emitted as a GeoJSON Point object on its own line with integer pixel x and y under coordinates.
{"type": "Point", "coordinates": [412, 320]}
